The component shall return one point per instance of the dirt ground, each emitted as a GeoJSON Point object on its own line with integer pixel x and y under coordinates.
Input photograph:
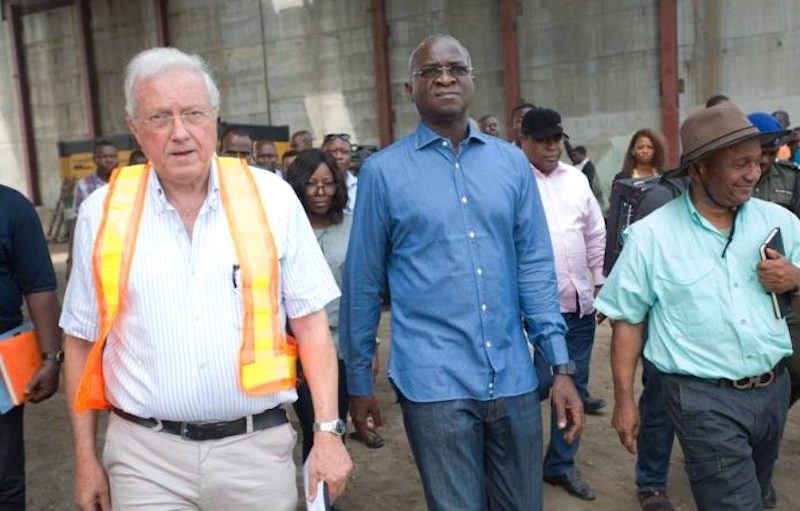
{"type": "Point", "coordinates": [387, 478]}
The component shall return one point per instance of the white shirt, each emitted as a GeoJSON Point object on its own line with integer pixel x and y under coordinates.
{"type": "Point", "coordinates": [173, 353]}
{"type": "Point", "coordinates": [351, 181]}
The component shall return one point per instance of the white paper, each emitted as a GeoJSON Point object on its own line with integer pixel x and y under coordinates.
{"type": "Point", "coordinates": [318, 504]}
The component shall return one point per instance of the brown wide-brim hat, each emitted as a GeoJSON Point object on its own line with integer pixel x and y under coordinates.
{"type": "Point", "coordinates": [711, 129]}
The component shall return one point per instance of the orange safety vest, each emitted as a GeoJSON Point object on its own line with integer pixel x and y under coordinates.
{"type": "Point", "coordinates": [267, 358]}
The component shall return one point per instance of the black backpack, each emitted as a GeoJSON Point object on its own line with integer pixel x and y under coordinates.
{"type": "Point", "coordinates": [632, 200]}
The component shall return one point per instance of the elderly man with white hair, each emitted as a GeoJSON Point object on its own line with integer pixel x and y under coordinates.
{"type": "Point", "coordinates": [185, 270]}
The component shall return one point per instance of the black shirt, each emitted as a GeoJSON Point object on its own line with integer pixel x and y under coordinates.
{"type": "Point", "coordinates": [25, 265]}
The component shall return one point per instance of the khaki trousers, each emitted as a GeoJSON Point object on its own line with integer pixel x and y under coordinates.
{"type": "Point", "coordinates": [154, 471]}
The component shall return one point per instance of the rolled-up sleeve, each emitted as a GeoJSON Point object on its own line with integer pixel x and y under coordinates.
{"type": "Point", "coordinates": [79, 315]}
{"type": "Point", "coordinates": [627, 294]}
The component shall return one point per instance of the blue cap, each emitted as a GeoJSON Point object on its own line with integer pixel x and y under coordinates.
{"type": "Point", "coordinates": [767, 124]}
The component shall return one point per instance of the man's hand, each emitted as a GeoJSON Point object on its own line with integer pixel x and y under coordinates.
{"type": "Point", "coordinates": [328, 461]}
{"type": "Point", "coordinates": [363, 407]}
{"type": "Point", "coordinates": [569, 407]}
{"type": "Point", "coordinates": [777, 274]}
{"type": "Point", "coordinates": [626, 422]}
{"type": "Point", "coordinates": [44, 383]}
{"type": "Point", "coordinates": [91, 486]}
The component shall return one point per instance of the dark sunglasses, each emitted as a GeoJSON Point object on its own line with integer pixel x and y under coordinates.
{"type": "Point", "coordinates": [334, 136]}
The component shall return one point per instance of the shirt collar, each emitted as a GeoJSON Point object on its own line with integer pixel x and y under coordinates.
{"type": "Point", "coordinates": [560, 169]}
{"type": "Point", "coordinates": [424, 135]}
{"type": "Point", "coordinates": [157, 192]}
{"type": "Point", "coordinates": [700, 219]}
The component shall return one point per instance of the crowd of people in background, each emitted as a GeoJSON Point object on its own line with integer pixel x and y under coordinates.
{"type": "Point", "coordinates": [493, 250]}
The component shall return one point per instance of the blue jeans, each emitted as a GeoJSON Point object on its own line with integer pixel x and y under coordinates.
{"type": "Point", "coordinates": [560, 457]}
{"type": "Point", "coordinates": [478, 455]}
{"type": "Point", "coordinates": [656, 432]}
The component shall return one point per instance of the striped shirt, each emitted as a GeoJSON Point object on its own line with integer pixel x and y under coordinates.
{"type": "Point", "coordinates": [173, 353]}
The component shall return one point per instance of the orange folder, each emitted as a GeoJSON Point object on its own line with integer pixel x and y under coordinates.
{"type": "Point", "coordinates": [20, 358]}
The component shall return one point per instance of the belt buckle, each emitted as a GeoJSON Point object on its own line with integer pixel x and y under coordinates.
{"type": "Point", "coordinates": [185, 431]}
{"type": "Point", "coordinates": [743, 383]}
{"type": "Point", "coordinates": [764, 379]}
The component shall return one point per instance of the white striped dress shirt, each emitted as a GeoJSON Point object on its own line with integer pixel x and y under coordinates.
{"type": "Point", "coordinates": [173, 352]}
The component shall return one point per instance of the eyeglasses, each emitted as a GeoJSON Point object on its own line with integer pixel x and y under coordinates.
{"type": "Point", "coordinates": [329, 188]}
{"type": "Point", "coordinates": [165, 120]}
{"type": "Point", "coordinates": [455, 70]}
{"type": "Point", "coordinates": [237, 154]}
{"type": "Point", "coordinates": [334, 136]}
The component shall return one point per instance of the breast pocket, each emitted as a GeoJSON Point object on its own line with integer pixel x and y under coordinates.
{"type": "Point", "coordinates": [690, 297]}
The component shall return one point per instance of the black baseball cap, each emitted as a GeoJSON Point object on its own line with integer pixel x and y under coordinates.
{"type": "Point", "coordinates": [542, 123]}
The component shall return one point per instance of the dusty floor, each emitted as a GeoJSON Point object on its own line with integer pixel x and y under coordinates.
{"type": "Point", "coordinates": [387, 478]}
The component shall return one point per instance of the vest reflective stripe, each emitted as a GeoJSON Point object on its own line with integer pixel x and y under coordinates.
{"type": "Point", "coordinates": [111, 258]}
{"type": "Point", "coordinates": [267, 361]}
{"type": "Point", "coordinates": [266, 358]}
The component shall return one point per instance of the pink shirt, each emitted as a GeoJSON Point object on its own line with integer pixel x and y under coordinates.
{"type": "Point", "coordinates": [577, 232]}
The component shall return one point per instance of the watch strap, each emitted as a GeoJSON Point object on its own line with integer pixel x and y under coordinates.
{"type": "Point", "coordinates": [54, 356]}
{"type": "Point", "coordinates": [334, 427]}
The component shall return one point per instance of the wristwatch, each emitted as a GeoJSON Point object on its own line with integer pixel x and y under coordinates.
{"type": "Point", "coordinates": [567, 369]}
{"type": "Point", "coordinates": [333, 427]}
{"type": "Point", "coordinates": [55, 356]}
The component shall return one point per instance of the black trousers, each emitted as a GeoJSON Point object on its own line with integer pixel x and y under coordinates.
{"type": "Point", "coordinates": [12, 461]}
{"type": "Point", "coordinates": [793, 362]}
{"type": "Point", "coordinates": [730, 438]}
{"type": "Point", "coordinates": [304, 408]}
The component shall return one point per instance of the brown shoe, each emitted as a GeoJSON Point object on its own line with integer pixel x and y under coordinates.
{"type": "Point", "coordinates": [655, 500]}
{"type": "Point", "coordinates": [370, 438]}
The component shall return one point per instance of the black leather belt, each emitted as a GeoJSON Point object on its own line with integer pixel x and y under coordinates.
{"type": "Point", "coordinates": [754, 382]}
{"type": "Point", "coordinates": [211, 430]}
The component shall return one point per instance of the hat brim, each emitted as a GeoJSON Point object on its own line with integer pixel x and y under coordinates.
{"type": "Point", "coordinates": [547, 132]}
{"type": "Point", "coordinates": [683, 169]}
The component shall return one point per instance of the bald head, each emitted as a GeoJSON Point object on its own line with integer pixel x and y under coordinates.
{"type": "Point", "coordinates": [428, 41]}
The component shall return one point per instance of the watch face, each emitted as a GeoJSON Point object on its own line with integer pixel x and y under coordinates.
{"type": "Point", "coordinates": [336, 427]}
{"type": "Point", "coordinates": [57, 357]}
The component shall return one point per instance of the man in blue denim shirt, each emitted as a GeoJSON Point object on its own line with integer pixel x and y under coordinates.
{"type": "Point", "coordinates": [452, 218]}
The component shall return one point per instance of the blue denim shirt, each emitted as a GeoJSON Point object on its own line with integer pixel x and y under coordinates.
{"type": "Point", "coordinates": [462, 239]}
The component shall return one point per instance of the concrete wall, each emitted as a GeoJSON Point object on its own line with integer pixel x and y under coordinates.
{"type": "Point", "coordinates": [309, 64]}
{"type": "Point", "coordinates": [11, 170]}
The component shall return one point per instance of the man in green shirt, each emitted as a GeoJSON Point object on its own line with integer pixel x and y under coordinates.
{"type": "Point", "coordinates": [693, 268]}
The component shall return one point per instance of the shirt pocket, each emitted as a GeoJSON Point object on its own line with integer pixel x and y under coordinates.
{"type": "Point", "coordinates": [690, 298]}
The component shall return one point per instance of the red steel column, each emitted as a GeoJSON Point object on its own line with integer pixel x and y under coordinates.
{"type": "Point", "coordinates": [22, 88]}
{"type": "Point", "coordinates": [83, 12]}
{"type": "Point", "coordinates": [380, 52]}
{"type": "Point", "coordinates": [162, 22]}
{"type": "Point", "coordinates": [509, 14]}
{"type": "Point", "coordinates": [670, 85]}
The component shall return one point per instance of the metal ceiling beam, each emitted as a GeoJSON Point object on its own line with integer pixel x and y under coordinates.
{"type": "Point", "coordinates": [383, 90]}
{"type": "Point", "coordinates": [88, 68]}
{"type": "Point", "coordinates": [670, 83]}
{"type": "Point", "coordinates": [13, 14]}
{"type": "Point", "coordinates": [34, 6]}
{"type": "Point", "coordinates": [162, 21]}
{"type": "Point", "coordinates": [509, 15]}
